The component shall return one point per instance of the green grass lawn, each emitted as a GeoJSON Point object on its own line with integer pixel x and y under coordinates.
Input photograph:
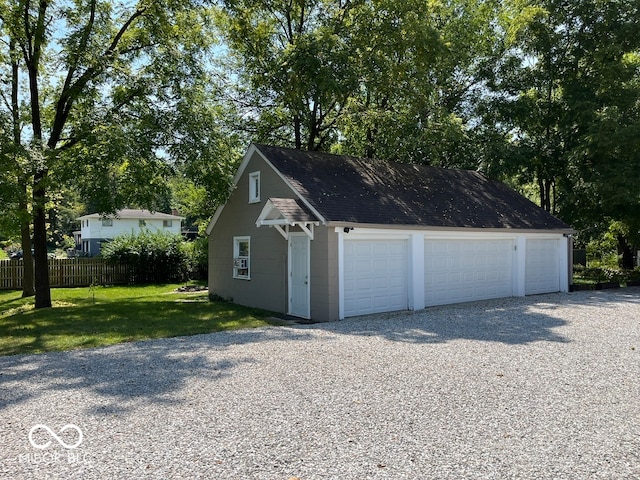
{"type": "Point", "coordinates": [91, 317]}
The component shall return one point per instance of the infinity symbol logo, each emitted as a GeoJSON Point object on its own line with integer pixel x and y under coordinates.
{"type": "Point", "coordinates": [55, 437]}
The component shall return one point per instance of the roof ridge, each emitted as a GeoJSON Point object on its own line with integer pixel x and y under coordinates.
{"type": "Point", "coordinates": [345, 188]}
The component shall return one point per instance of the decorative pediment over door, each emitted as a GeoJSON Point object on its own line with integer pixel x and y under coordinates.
{"type": "Point", "coordinates": [284, 213]}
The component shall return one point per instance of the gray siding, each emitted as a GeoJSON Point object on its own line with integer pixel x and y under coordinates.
{"type": "Point", "coordinates": [324, 275]}
{"type": "Point", "coordinates": [267, 287]}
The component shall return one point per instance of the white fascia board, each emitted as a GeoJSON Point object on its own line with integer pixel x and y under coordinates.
{"type": "Point", "coordinates": [214, 219]}
{"type": "Point", "coordinates": [266, 210]}
{"type": "Point", "coordinates": [406, 231]}
{"type": "Point", "coordinates": [279, 221]}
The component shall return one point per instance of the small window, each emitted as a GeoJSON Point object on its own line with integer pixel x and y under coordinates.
{"type": "Point", "coordinates": [241, 257]}
{"type": "Point", "coordinates": [254, 187]}
{"type": "Point", "coordinates": [107, 222]}
{"type": "Point", "coordinates": [167, 223]}
{"type": "Point", "coordinates": [142, 223]}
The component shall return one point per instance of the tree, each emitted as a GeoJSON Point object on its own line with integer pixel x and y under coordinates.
{"type": "Point", "coordinates": [603, 91]}
{"type": "Point", "coordinates": [14, 188]}
{"type": "Point", "coordinates": [207, 153]}
{"type": "Point", "coordinates": [90, 81]}
{"type": "Point", "coordinates": [567, 94]}
{"type": "Point", "coordinates": [376, 78]}
{"type": "Point", "coordinates": [421, 67]}
{"type": "Point", "coordinates": [293, 66]}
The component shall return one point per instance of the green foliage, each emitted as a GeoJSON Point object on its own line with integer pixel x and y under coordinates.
{"type": "Point", "coordinates": [602, 274]}
{"type": "Point", "coordinates": [566, 94]}
{"type": "Point", "coordinates": [93, 92]}
{"type": "Point", "coordinates": [67, 242]}
{"type": "Point", "coordinates": [608, 248]}
{"type": "Point", "coordinates": [293, 67]}
{"type": "Point", "coordinates": [197, 258]}
{"type": "Point", "coordinates": [386, 79]}
{"type": "Point", "coordinates": [154, 257]}
{"type": "Point", "coordinates": [634, 275]}
{"type": "Point", "coordinates": [421, 70]}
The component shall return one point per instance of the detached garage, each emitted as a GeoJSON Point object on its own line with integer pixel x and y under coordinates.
{"type": "Point", "coordinates": [377, 237]}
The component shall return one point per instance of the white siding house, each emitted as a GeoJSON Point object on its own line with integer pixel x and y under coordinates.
{"type": "Point", "coordinates": [95, 229]}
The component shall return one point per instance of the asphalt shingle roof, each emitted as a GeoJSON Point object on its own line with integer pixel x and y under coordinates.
{"type": "Point", "coordinates": [349, 189]}
{"type": "Point", "coordinates": [293, 210]}
{"type": "Point", "coordinates": [131, 213]}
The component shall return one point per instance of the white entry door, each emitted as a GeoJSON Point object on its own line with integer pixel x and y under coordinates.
{"type": "Point", "coordinates": [299, 265]}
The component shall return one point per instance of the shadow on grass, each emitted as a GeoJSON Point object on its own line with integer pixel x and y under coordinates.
{"type": "Point", "coordinates": [80, 326]}
{"type": "Point", "coordinates": [11, 299]}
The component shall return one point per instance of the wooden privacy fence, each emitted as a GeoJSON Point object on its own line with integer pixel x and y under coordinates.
{"type": "Point", "coordinates": [67, 272]}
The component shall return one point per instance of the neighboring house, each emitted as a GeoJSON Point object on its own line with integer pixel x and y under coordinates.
{"type": "Point", "coordinates": [96, 229]}
{"type": "Point", "coordinates": [325, 237]}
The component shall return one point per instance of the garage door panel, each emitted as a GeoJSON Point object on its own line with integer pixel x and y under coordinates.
{"type": "Point", "coordinates": [375, 276]}
{"type": "Point", "coordinates": [542, 266]}
{"type": "Point", "coordinates": [461, 270]}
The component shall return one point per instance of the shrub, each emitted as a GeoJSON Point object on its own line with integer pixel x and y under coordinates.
{"type": "Point", "coordinates": [67, 242]}
{"type": "Point", "coordinates": [634, 275]}
{"type": "Point", "coordinates": [197, 258]}
{"type": "Point", "coordinates": [602, 274]}
{"type": "Point", "coordinates": [152, 257]}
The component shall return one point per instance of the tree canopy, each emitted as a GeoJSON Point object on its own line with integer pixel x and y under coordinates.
{"type": "Point", "coordinates": [97, 93]}
{"type": "Point", "coordinates": [151, 103]}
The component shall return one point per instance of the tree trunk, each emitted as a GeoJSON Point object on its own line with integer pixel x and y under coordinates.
{"type": "Point", "coordinates": [370, 149]}
{"type": "Point", "coordinates": [28, 289]}
{"type": "Point", "coordinates": [43, 289]}
{"type": "Point", "coordinates": [625, 252]}
{"type": "Point", "coordinates": [544, 188]}
{"type": "Point", "coordinates": [297, 126]}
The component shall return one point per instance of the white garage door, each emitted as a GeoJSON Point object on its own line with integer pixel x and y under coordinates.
{"type": "Point", "coordinates": [542, 267]}
{"type": "Point", "coordinates": [375, 276]}
{"type": "Point", "coordinates": [464, 270]}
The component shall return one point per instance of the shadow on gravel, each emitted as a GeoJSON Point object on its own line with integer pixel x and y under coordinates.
{"type": "Point", "coordinates": [605, 298]}
{"type": "Point", "coordinates": [120, 377]}
{"type": "Point", "coordinates": [509, 325]}
{"type": "Point", "coordinates": [513, 321]}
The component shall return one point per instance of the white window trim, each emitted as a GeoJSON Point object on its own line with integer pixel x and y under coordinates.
{"type": "Point", "coordinates": [254, 187]}
{"type": "Point", "coordinates": [237, 259]}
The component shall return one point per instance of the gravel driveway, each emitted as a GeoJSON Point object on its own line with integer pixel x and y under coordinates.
{"type": "Point", "coordinates": [538, 388]}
